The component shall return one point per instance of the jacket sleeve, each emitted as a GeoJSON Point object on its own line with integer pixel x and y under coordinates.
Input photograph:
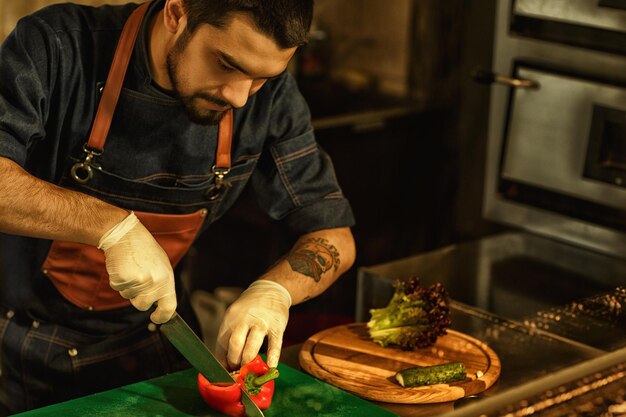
{"type": "Point", "coordinates": [28, 60]}
{"type": "Point", "coordinates": [295, 180]}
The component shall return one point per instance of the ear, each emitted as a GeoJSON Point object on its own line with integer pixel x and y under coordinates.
{"type": "Point", "coordinates": [174, 16]}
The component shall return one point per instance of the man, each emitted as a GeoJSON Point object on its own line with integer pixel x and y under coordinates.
{"type": "Point", "coordinates": [107, 178]}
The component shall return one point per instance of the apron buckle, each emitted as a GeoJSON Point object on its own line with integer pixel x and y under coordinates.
{"type": "Point", "coordinates": [220, 174]}
{"type": "Point", "coordinates": [81, 171]}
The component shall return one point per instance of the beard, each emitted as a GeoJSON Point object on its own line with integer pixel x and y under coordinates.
{"type": "Point", "coordinates": [195, 112]}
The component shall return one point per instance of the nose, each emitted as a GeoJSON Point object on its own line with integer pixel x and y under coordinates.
{"type": "Point", "coordinates": [237, 92]}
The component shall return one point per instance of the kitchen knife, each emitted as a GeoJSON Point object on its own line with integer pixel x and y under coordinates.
{"type": "Point", "coordinates": [200, 357]}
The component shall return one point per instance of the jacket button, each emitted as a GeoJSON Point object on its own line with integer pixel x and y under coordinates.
{"type": "Point", "coordinates": [72, 352]}
{"type": "Point", "coordinates": [45, 271]}
{"type": "Point", "coordinates": [152, 327]}
{"type": "Point", "coordinates": [10, 314]}
{"type": "Point", "coordinates": [35, 324]}
{"type": "Point", "coordinates": [203, 212]}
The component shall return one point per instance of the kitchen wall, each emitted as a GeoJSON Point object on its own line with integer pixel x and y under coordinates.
{"type": "Point", "coordinates": [426, 51]}
{"type": "Point", "coordinates": [369, 41]}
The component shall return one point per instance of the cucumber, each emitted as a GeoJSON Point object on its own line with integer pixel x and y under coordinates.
{"type": "Point", "coordinates": [429, 375]}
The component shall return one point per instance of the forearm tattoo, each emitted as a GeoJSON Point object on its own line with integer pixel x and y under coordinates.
{"type": "Point", "coordinates": [313, 257]}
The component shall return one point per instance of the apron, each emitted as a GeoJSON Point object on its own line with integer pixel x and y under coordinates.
{"type": "Point", "coordinates": [77, 270]}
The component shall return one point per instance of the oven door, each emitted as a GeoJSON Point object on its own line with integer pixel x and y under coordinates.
{"type": "Point", "coordinates": [556, 160]}
{"type": "Point", "coordinates": [564, 146]}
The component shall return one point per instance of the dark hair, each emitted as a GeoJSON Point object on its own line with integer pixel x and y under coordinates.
{"type": "Point", "coordinates": [286, 21]}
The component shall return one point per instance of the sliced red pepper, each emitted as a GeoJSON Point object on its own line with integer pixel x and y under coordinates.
{"type": "Point", "coordinates": [255, 377]}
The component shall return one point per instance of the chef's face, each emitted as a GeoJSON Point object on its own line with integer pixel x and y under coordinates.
{"type": "Point", "coordinates": [214, 69]}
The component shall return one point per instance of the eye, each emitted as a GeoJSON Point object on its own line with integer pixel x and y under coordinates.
{"type": "Point", "coordinates": [223, 66]}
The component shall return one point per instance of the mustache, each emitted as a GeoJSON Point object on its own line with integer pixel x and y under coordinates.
{"type": "Point", "coordinates": [215, 100]}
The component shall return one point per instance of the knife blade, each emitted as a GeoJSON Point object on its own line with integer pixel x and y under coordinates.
{"type": "Point", "coordinates": [200, 357]}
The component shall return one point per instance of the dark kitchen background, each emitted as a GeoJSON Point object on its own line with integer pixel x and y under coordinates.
{"type": "Point", "coordinates": [394, 104]}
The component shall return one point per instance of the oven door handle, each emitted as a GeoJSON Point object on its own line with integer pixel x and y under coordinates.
{"type": "Point", "coordinates": [490, 77]}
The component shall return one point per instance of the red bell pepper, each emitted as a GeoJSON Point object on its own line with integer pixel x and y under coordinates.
{"type": "Point", "coordinates": [255, 377]}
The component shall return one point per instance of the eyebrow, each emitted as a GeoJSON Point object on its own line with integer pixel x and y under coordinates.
{"type": "Point", "coordinates": [233, 63]}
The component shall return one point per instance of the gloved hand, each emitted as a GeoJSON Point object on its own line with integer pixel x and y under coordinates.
{"type": "Point", "coordinates": [262, 309]}
{"type": "Point", "coordinates": [139, 268]}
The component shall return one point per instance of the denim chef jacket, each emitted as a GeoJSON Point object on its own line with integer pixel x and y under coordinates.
{"type": "Point", "coordinates": [154, 159]}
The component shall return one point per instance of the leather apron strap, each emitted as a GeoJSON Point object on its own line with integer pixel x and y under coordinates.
{"type": "Point", "coordinates": [115, 79]}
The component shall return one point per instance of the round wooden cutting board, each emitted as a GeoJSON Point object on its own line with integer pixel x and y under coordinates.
{"type": "Point", "coordinates": [345, 356]}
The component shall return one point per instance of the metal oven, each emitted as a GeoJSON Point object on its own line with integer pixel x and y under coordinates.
{"type": "Point", "coordinates": [557, 136]}
{"type": "Point", "coordinates": [548, 296]}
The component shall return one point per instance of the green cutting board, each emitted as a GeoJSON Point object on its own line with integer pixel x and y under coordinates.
{"type": "Point", "coordinates": [176, 395]}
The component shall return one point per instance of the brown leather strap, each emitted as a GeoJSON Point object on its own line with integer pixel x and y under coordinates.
{"type": "Point", "coordinates": [115, 79]}
{"type": "Point", "coordinates": [224, 141]}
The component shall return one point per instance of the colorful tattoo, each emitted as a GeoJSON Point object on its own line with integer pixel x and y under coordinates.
{"type": "Point", "coordinates": [314, 257]}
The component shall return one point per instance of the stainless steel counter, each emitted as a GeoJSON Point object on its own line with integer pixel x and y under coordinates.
{"type": "Point", "coordinates": [552, 312]}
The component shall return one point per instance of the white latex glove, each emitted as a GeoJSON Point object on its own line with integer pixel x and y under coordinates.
{"type": "Point", "coordinates": [139, 268]}
{"type": "Point", "coordinates": [261, 310]}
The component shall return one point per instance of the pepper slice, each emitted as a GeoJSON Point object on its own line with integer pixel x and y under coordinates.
{"type": "Point", "coordinates": [255, 377]}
